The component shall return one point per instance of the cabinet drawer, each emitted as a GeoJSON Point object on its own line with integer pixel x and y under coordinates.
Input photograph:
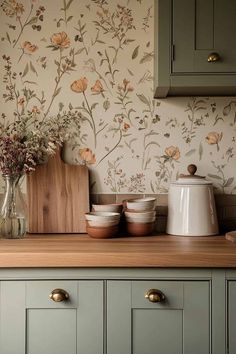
{"type": "Point", "coordinates": [38, 294]}
{"type": "Point", "coordinates": [172, 291]}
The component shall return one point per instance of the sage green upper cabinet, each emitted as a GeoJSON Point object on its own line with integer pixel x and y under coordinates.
{"type": "Point", "coordinates": [195, 51]}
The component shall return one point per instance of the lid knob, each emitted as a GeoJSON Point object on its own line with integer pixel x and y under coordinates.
{"type": "Point", "coordinates": [192, 169]}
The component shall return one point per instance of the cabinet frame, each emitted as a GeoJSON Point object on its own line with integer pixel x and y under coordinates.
{"type": "Point", "coordinates": [218, 279]}
{"type": "Point", "coordinates": [168, 83]}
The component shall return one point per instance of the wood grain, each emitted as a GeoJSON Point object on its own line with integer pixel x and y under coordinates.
{"type": "Point", "coordinates": [83, 251]}
{"type": "Point", "coordinates": [58, 197]}
{"type": "Point", "coordinates": [231, 236]}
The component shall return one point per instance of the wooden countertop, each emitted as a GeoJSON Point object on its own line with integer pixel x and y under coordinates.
{"type": "Point", "coordinates": [82, 251]}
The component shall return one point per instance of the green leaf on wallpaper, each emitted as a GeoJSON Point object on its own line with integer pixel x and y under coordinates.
{"type": "Point", "coordinates": [214, 176]}
{"type": "Point", "coordinates": [200, 151]}
{"type": "Point", "coordinates": [30, 82]}
{"type": "Point", "coordinates": [68, 4]}
{"type": "Point", "coordinates": [79, 51]}
{"type": "Point", "coordinates": [147, 57]}
{"type": "Point", "coordinates": [94, 105]}
{"type": "Point", "coordinates": [56, 93]}
{"type": "Point", "coordinates": [127, 41]}
{"type": "Point", "coordinates": [135, 52]}
{"type": "Point", "coordinates": [106, 105]}
{"type": "Point", "coordinates": [32, 21]}
{"type": "Point", "coordinates": [190, 152]}
{"type": "Point", "coordinates": [143, 99]}
{"type": "Point", "coordinates": [26, 70]}
{"type": "Point", "coordinates": [69, 18]}
{"type": "Point", "coordinates": [152, 187]}
{"type": "Point", "coordinates": [227, 109]}
{"type": "Point", "coordinates": [217, 118]}
{"type": "Point", "coordinates": [228, 182]}
{"type": "Point", "coordinates": [8, 37]}
{"type": "Point", "coordinates": [70, 106]}
{"type": "Point", "coordinates": [32, 68]}
{"type": "Point", "coordinates": [59, 22]}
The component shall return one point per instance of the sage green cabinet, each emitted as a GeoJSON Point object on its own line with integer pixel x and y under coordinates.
{"type": "Point", "coordinates": [179, 324]}
{"type": "Point", "coordinates": [231, 317]}
{"type": "Point", "coordinates": [33, 323]}
{"type": "Point", "coordinates": [187, 33]}
{"type": "Point", "coordinates": [109, 311]}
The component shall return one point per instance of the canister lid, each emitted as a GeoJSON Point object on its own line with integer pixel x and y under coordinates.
{"type": "Point", "coordinates": [191, 178]}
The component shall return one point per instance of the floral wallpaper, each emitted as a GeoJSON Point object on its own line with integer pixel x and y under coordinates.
{"type": "Point", "coordinates": [93, 60]}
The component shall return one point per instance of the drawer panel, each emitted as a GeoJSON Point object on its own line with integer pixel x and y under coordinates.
{"type": "Point", "coordinates": [37, 294]}
{"type": "Point", "coordinates": [173, 291]}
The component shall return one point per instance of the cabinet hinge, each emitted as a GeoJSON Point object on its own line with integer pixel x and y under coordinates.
{"type": "Point", "coordinates": [173, 52]}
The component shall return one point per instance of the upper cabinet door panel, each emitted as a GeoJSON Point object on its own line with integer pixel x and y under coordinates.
{"type": "Point", "coordinates": [199, 28]}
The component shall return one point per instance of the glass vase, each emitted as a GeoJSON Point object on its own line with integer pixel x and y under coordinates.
{"type": "Point", "coordinates": [13, 209]}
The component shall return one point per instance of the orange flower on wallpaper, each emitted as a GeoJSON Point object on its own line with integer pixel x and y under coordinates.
{"type": "Point", "coordinates": [80, 85]}
{"type": "Point", "coordinates": [60, 39]}
{"type": "Point", "coordinates": [35, 109]}
{"type": "Point", "coordinates": [12, 8]}
{"type": "Point", "coordinates": [87, 156]}
{"type": "Point", "coordinates": [97, 87]}
{"type": "Point", "coordinates": [213, 138]}
{"type": "Point", "coordinates": [28, 47]}
{"type": "Point", "coordinates": [173, 152]}
{"type": "Point", "coordinates": [126, 126]}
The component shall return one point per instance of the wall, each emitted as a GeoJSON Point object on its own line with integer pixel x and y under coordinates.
{"type": "Point", "coordinates": [93, 59]}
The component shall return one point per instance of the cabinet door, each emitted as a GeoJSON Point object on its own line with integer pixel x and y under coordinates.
{"type": "Point", "coordinates": [180, 324]}
{"type": "Point", "coordinates": [32, 323]}
{"type": "Point", "coordinates": [231, 317]}
{"type": "Point", "coordinates": [199, 28]}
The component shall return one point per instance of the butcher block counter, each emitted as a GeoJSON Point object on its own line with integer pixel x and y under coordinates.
{"type": "Point", "coordinates": [72, 294]}
{"type": "Point", "coordinates": [79, 250]}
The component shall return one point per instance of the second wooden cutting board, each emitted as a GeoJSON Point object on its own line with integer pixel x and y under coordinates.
{"type": "Point", "coordinates": [58, 197]}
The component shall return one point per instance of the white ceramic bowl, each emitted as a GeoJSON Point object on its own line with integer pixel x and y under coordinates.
{"type": "Point", "coordinates": [140, 217]}
{"type": "Point", "coordinates": [141, 204]}
{"type": "Point", "coordinates": [99, 223]}
{"type": "Point", "coordinates": [102, 216]}
{"type": "Point", "coordinates": [115, 208]}
{"type": "Point", "coordinates": [140, 214]}
{"type": "Point", "coordinates": [141, 221]}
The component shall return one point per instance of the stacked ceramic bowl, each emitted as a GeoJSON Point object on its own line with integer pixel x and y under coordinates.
{"type": "Point", "coordinates": [140, 216]}
{"type": "Point", "coordinates": [102, 224]}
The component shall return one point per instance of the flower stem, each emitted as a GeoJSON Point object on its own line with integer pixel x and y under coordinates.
{"type": "Point", "coordinates": [92, 119]}
{"type": "Point", "coordinates": [24, 25]}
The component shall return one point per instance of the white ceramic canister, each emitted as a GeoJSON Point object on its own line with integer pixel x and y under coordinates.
{"type": "Point", "coordinates": [191, 206]}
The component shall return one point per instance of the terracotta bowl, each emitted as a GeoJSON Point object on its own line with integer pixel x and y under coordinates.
{"type": "Point", "coordinates": [140, 229]}
{"type": "Point", "coordinates": [141, 204]}
{"type": "Point", "coordinates": [102, 232]}
{"type": "Point", "coordinates": [115, 208]}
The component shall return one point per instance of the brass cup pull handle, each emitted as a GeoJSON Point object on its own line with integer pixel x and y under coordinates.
{"type": "Point", "coordinates": [59, 295]}
{"type": "Point", "coordinates": [154, 295]}
{"type": "Point", "coordinates": [213, 57]}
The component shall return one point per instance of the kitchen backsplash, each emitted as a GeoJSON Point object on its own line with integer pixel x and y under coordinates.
{"type": "Point", "coordinates": [93, 60]}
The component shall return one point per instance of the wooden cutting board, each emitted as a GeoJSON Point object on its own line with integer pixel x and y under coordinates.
{"type": "Point", "coordinates": [58, 197]}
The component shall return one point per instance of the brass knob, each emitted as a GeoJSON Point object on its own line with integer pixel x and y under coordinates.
{"type": "Point", "coordinates": [154, 295]}
{"type": "Point", "coordinates": [213, 57]}
{"type": "Point", "coordinates": [59, 295]}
